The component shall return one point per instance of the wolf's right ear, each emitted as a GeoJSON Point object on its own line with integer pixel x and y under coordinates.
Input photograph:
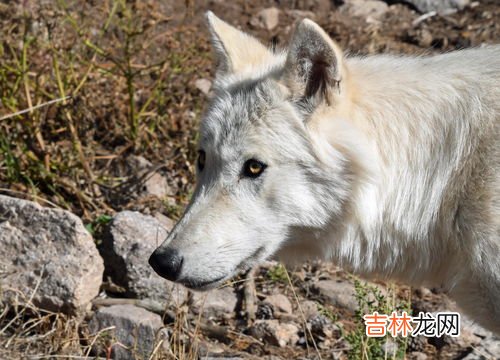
{"type": "Point", "coordinates": [235, 50]}
{"type": "Point", "coordinates": [314, 65]}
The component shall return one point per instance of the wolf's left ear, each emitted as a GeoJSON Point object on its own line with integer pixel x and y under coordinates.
{"type": "Point", "coordinates": [236, 51]}
{"type": "Point", "coordinates": [313, 68]}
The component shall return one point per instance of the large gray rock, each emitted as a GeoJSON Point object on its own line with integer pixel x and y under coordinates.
{"type": "Point", "coordinates": [46, 255]}
{"type": "Point", "coordinates": [136, 329]}
{"type": "Point", "coordinates": [131, 239]}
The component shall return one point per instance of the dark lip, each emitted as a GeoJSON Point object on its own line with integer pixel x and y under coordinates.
{"type": "Point", "coordinates": [201, 285]}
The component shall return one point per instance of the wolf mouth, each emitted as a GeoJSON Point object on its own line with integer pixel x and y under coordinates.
{"type": "Point", "coordinates": [244, 265]}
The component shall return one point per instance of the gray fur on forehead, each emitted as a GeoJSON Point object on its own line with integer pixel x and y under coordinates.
{"type": "Point", "coordinates": [238, 106]}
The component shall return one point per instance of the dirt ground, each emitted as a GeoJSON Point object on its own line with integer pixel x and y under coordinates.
{"type": "Point", "coordinates": [130, 70]}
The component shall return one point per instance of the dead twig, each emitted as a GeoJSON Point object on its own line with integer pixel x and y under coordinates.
{"type": "Point", "coordinates": [21, 112]}
{"type": "Point", "coordinates": [250, 295]}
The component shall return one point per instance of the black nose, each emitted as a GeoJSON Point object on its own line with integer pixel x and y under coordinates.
{"type": "Point", "coordinates": [167, 263]}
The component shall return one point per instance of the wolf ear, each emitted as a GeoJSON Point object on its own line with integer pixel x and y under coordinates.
{"type": "Point", "coordinates": [313, 68]}
{"type": "Point", "coordinates": [235, 50]}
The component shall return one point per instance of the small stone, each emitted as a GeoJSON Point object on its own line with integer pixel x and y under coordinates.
{"type": "Point", "coordinates": [204, 85]}
{"type": "Point", "coordinates": [46, 254]}
{"type": "Point", "coordinates": [266, 18]}
{"type": "Point", "coordinates": [155, 184]}
{"type": "Point", "coordinates": [274, 333]}
{"type": "Point", "coordinates": [417, 355]}
{"type": "Point", "coordinates": [134, 327]}
{"type": "Point", "coordinates": [138, 163]}
{"type": "Point", "coordinates": [301, 14]}
{"type": "Point", "coordinates": [215, 303]}
{"type": "Point", "coordinates": [264, 311]}
{"type": "Point", "coordinates": [338, 293]}
{"type": "Point", "coordinates": [145, 180]}
{"type": "Point", "coordinates": [279, 302]}
{"type": "Point", "coordinates": [309, 308]}
{"type": "Point", "coordinates": [440, 6]}
{"type": "Point", "coordinates": [425, 39]}
{"type": "Point", "coordinates": [318, 6]}
{"type": "Point", "coordinates": [131, 239]}
{"type": "Point", "coordinates": [368, 9]}
{"type": "Point", "coordinates": [390, 347]}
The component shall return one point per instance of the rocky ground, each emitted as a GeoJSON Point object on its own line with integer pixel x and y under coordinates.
{"type": "Point", "coordinates": [92, 184]}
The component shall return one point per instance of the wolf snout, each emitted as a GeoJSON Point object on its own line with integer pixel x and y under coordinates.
{"type": "Point", "coordinates": [167, 262]}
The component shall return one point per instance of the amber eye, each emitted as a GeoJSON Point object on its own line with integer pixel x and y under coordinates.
{"type": "Point", "coordinates": [201, 160]}
{"type": "Point", "coordinates": [253, 168]}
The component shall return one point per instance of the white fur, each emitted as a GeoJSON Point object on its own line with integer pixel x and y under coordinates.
{"type": "Point", "coordinates": [392, 172]}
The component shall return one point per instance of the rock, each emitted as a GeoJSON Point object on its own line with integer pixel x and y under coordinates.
{"type": "Point", "coordinates": [215, 303]}
{"type": "Point", "coordinates": [264, 311]}
{"type": "Point", "coordinates": [274, 333]}
{"type": "Point", "coordinates": [309, 308]}
{"type": "Point", "coordinates": [155, 184]}
{"type": "Point", "coordinates": [207, 349]}
{"type": "Point", "coordinates": [46, 254]}
{"type": "Point", "coordinates": [485, 344]}
{"type": "Point", "coordinates": [204, 85]}
{"type": "Point", "coordinates": [266, 18]}
{"type": "Point", "coordinates": [440, 6]}
{"type": "Point", "coordinates": [145, 181]}
{"type": "Point", "coordinates": [425, 39]}
{"type": "Point", "coordinates": [134, 327]}
{"type": "Point", "coordinates": [301, 14]}
{"type": "Point", "coordinates": [318, 6]}
{"type": "Point", "coordinates": [166, 222]}
{"type": "Point", "coordinates": [417, 355]}
{"type": "Point", "coordinates": [338, 293]}
{"type": "Point", "coordinates": [131, 239]}
{"type": "Point", "coordinates": [368, 9]}
{"type": "Point", "coordinates": [390, 347]}
{"type": "Point", "coordinates": [279, 302]}
{"type": "Point", "coordinates": [322, 327]}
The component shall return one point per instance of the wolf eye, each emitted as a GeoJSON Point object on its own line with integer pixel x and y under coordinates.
{"type": "Point", "coordinates": [201, 160]}
{"type": "Point", "coordinates": [253, 168]}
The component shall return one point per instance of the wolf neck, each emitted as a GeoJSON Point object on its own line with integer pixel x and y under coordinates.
{"type": "Point", "coordinates": [406, 128]}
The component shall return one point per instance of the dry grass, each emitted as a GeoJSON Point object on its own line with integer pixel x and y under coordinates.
{"type": "Point", "coordinates": [125, 97]}
{"type": "Point", "coordinates": [81, 88]}
{"type": "Point", "coordinates": [84, 85]}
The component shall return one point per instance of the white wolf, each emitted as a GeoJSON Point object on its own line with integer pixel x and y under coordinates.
{"type": "Point", "coordinates": [387, 165]}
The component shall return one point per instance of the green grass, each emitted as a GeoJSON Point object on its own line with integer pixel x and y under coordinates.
{"type": "Point", "coordinates": [277, 274]}
{"type": "Point", "coordinates": [370, 299]}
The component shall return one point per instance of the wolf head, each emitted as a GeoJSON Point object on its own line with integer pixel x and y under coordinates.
{"type": "Point", "coordinates": [266, 178]}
